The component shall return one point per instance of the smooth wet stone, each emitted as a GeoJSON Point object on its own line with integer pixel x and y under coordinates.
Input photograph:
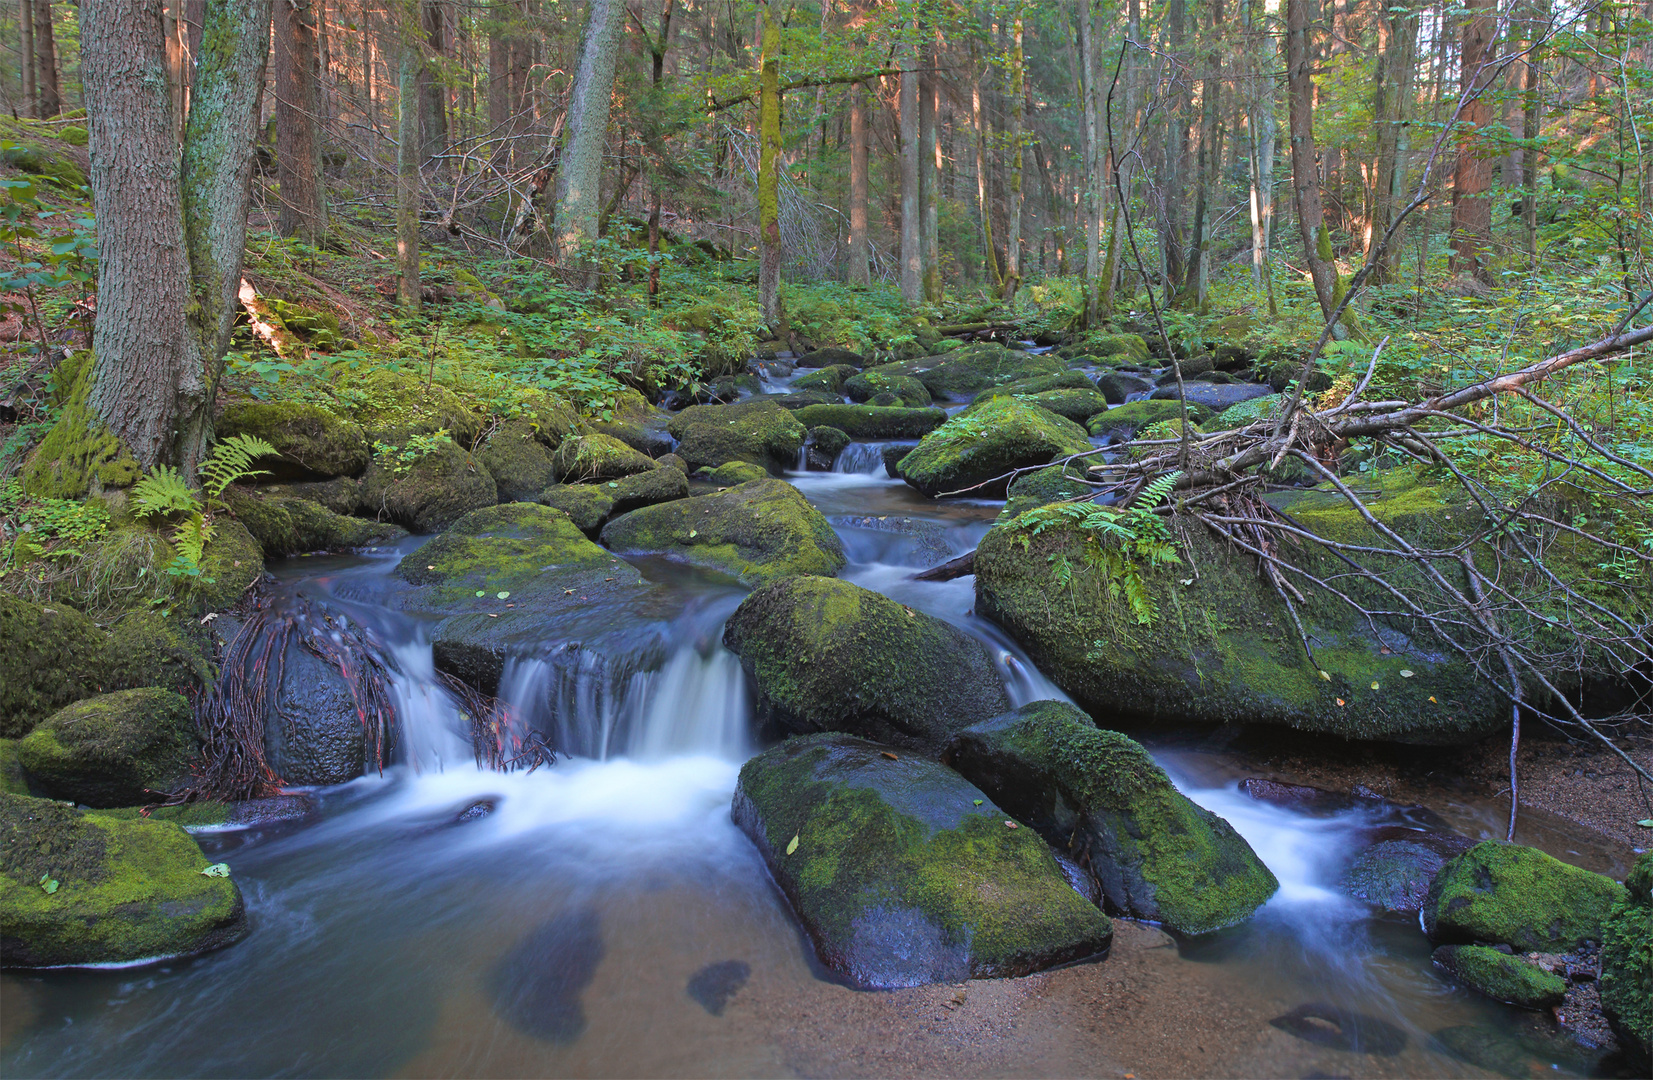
{"type": "Point", "coordinates": [1400, 864]}
{"type": "Point", "coordinates": [1213, 396]}
{"type": "Point", "coordinates": [538, 985]}
{"type": "Point", "coordinates": [903, 873]}
{"type": "Point", "coordinates": [1342, 1029]}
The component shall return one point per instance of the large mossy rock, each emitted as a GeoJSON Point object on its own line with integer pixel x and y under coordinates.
{"type": "Point", "coordinates": [432, 492]}
{"type": "Point", "coordinates": [866, 386]}
{"type": "Point", "coordinates": [127, 889]}
{"type": "Point", "coordinates": [587, 505]}
{"type": "Point", "coordinates": [230, 564]}
{"type": "Point", "coordinates": [1502, 976]}
{"type": "Point", "coordinates": [1116, 386]}
{"type": "Point", "coordinates": [1054, 483]}
{"type": "Point", "coordinates": [984, 445]}
{"type": "Point", "coordinates": [52, 655]}
{"type": "Point", "coordinates": [1071, 403]}
{"type": "Point", "coordinates": [871, 422]}
{"type": "Point", "coordinates": [519, 461]}
{"type": "Point", "coordinates": [1627, 967]}
{"type": "Point", "coordinates": [965, 372]}
{"type": "Point", "coordinates": [828, 380]}
{"type": "Point", "coordinates": [665, 483]}
{"type": "Point", "coordinates": [120, 749]}
{"type": "Point", "coordinates": [1506, 894]}
{"type": "Point", "coordinates": [759, 432]}
{"type": "Point", "coordinates": [285, 525]}
{"type": "Point", "coordinates": [759, 532]}
{"type": "Point", "coordinates": [1100, 797]}
{"type": "Point", "coordinates": [313, 443]}
{"type": "Point", "coordinates": [552, 575]}
{"type": "Point", "coordinates": [827, 655]}
{"type": "Point", "coordinates": [393, 407]}
{"type": "Point", "coordinates": [903, 873]}
{"type": "Point", "coordinates": [598, 458]}
{"type": "Point", "coordinates": [1040, 384]}
{"type": "Point", "coordinates": [1221, 647]}
{"type": "Point", "coordinates": [1125, 421]}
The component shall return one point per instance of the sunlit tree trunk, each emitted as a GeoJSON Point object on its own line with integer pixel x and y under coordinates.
{"type": "Point", "coordinates": [769, 152]}
{"type": "Point", "coordinates": [1210, 153]}
{"type": "Point", "coordinates": [1391, 109]}
{"type": "Point", "coordinates": [859, 272]}
{"type": "Point", "coordinates": [1472, 174]}
{"type": "Point", "coordinates": [1305, 183]}
{"type": "Point", "coordinates": [298, 143]}
{"type": "Point", "coordinates": [1013, 193]}
{"type": "Point", "coordinates": [930, 187]}
{"type": "Point", "coordinates": [1092, 199]}
{"type": "Point", "coordinates": [407, 175]}
{"type": "Point", "coordinates": [982, 206]}
{"type": "Point", "coordinates": [912, 256]}
{"type": "Point", "coordinates": [580, 172]}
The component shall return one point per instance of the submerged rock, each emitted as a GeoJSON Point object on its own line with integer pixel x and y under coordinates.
{"type": "Point", "coordinates": [1502, 976]}
{"type": "Point", "coordinates": [713, 985]}
{"type": "Point", "coordinates": [1342, 1029]}
{"type": "Point", "coordinates": [538, 984]}
{"type": "Point", "coordinates": [758, 532]}
{"type": "Point", "coordinates": [120, 749]}
{"type": "Point", "coordinates": [1400, 864]}
{"type": "Point", "coordinates": [975, 450]}
{"type": "Point", "coordinates": [827, 655]}
{"type": "Point", "coordinates": [126, 889]}
{"type": "Point", "coordinates": [310, 441]}
{"type": "Point", "coordinates": [1627, 966]}
{"type": "Point", "coordinates": [1517, 896]}
{"type": "Point", "coordinates": [1100, 797]}
{"type": "Point", "coordinates": [903, 873]}
{"type": "Point", "coordinates": [759, 432]}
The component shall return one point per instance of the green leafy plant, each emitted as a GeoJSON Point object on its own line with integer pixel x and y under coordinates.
{"type": "Point", "coordinates": [400, 460]}
{"type": "Point", "coordinates": [162, 492]}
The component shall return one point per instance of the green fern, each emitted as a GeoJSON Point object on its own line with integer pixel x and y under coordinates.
{"type": "Point", "coordinates": [232, 460]}
{"type": "Point", "coordinates": [190, 539]}
{"type": "Point", "coordinates": [163, 492]}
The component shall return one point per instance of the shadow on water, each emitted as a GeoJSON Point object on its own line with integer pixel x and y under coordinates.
{"type": "Point", "coordinates": [536, 985]}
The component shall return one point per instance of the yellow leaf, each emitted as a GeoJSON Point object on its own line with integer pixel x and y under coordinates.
{"type": "Point", "coordinates": [793, 846]}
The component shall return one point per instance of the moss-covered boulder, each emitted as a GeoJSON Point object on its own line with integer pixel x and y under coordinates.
{"type": "Point", "coordinates": [735, 472]}
{"type": "Point", "coordinates": [1075, 404]}
{"type": "Point", "coordinates": [127, 889]}
{"type": "Point", "coordinates": [432, 491]}
{"type": "Point", "coordinates": [518, 461]}
{"type": "Point", "coordinates": [1125, 421]}
{"type": "Point", "coordinates": [1507, 894]}
{"type": "Point", "coordinates": [1053, 483]}
{"type": "Point", "coordinates": [313, 442]}
{"type": "Point", "coordinates": [120, 749]}
{"type": "Point", "coordinates": [1627, 967]}
{"type": "Point", "coordinates": [977, 451]}
{"type": "Point", "coordinates": [822, 447]}
{"type": "Point", "coordinates": [40, 160]}
{"type": "Point", "coordinates": [902, 873]}
{"type": "Point", "coordinates": [758, 532]}
{"type": "Point", "coordinates": [1126, 348]}
{"type": "Point", "coordinates": [827, 655]}
{"type": "Point", "coordinates": [292, 526]}
{"type": "Point", "coordinates": [1100, 797]}
{"type": "Point", "coordinates": [342, 495]}
{"type": "Point", "coordinates": [392, 408]}
{"type": "Point", "coordinates": [802, 399]}
{"type": "Point", "coordinates": [759, 432]}
{"type": "Point", "coordinates": [587, 505]}
{"type": "Point", "coordinates": [831, 356]}
{"type": "Point", "coordinates": [1502, 976]}
{"type": "Point", "coordinates": [51, 655]}
{"type": "Point", "coordinates": [230, 564]}
{"type": "Point", "coordinates": [596, 458]}
{"type": "Point", "coordinates": [870, 423]}
{"type": "Point", "coordinates": [499, 576]}
{"type": "Point", "coordinates": [965, 372]}
{"type": "Point", "coordinates": [659, 485]}
{"type": "Point", "coordinates": [909, 392]}
{"type": "Point", "coordinates": [828, 380]}
{"type": "Point", "coordinates": [12, 780]}
{"type": "Point", "coordinates": [1039, 384]}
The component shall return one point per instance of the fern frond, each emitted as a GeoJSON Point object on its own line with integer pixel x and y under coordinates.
{"type": "Point", "coordinates": [162, 492]}
{"type": "Point", "coordinates": [232, 460]}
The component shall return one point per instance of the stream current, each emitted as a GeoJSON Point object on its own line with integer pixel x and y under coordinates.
{"type": "Point", "coordinates": [606, 918]}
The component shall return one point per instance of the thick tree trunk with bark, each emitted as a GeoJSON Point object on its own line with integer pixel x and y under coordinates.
{"type": "Point", "coordinates": [433, 96]}
{"type": "Point", "coordinates": [912, 256]}
{"type": "Point", "coordinates": [407, 177]}
{"type": "Point", "coordinates": [1472, 175]}
{"type": "Point", "coordinates": [1013, 195]}
{"type": "Point", "coordinates": [297, 111]}
{"type": "Point", "coordinates": [769, 151]}
{"type": "Point", "coordinates": [930, 187]}
{"type": "Point", "coordinates": [859, 272]}
{"type": "Point", "coordinates": [580, 172]}
{"type": "Point", "coordinates": [25, 22]}
{"type": "Point", "coordinates": [1391, 108]}
{"type": "Point", "coordinates": [1305, 182]}
{"type": "Point", "coordinates": [45, 52]}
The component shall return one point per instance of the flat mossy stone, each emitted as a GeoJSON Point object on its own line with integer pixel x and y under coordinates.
{"type": "Point", "coordinates": [828, 380]}
{"type": "Point", "coordinates": [127, 889]}
{"type": "Point", "coordinates": [1077, 405]}
{"type": "Point", "coordinates": [758, 532]}
{"type": "Point", "coordinates": [658, 485]}
{"type": "Point", "coordinates": [1519, 896]}
{"type": "Point", "coordinates": [119, 749]}
{"type": "Point", "coordinates": [596, 457]}
{"type": "Point", "coordinates": [1125, 421]}
{"type": "Point", "coordinates": [827, 655]}
{"type": "Point", "coordinates": [51, 655]}
{"type": "Point", "coordinates": [822, 447]}
{"type": "Point", "coordinates": [1627, 966]}
{"type": "Point", "coordinates": [976, 452]}
{"type": "Point", "coordinates": [1501, 976]}
{"type": "Point", "coordinates": [904, 874]}
{"type": "Point", "coordinates": [736, 472]}
{"type": "Point", "coordinates": [909, 392]}
{"type": "Point", "coordinates": [518, 461]}
{"type": "Point", "coordinates": [432, 492]}
{"type": "Point", "coordinates": [1100, 797]}
{"type": "Point", "coordinates": [802, 399]}
{"type": "Point", "coordinates": [587, 505]}
{"type": "Point", "coordinates": [295, 526]}
{"type": "Point", "coordinates": [829, 356]}
{"type": "Point", "coordinates": [393, 407]}
{"type": "Point", "coordinates": [873, 423]}
{"type": "Point", "coordinates": [967, 371]}
{"type": "Point", "coordinates": [311, 441]}
{"type": "Point", "coordinates": [759, 432]}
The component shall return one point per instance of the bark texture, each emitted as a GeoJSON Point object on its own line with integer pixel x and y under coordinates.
{"type": "Point", "coordinates": [912, 258]}
{"type": "Point", "coordinates": [859, 271]}
{"type": "Point", "coordinates": [580, 172]}
{"type": "Point", "coordinates": [298, 142]}
{"type": "Point", "coordinates": [45, 53]}
{"type": "Point", "coordinates": [407, 178]}
{"type": "Point", "coordinates": [769, 150]}
{"type": "Point", "coordinates": [1472, 175]}
{"type": "Point", "coordinates": [1305, 182]}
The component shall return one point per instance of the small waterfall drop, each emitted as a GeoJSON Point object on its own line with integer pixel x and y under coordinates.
{"type": "Point", "coordinates": [429, 721]}
{"type": "Point", "coordinates": [861, 459]}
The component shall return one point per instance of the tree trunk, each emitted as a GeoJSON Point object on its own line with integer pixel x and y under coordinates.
{"type": "Point", "coordinates": [407, 177]}
{"type": "Point", "coordinates": [983, 208]}
{"type": "Point", "coordinates": [930, 187]}
{"type": "Point", "coordinates": [1261, 121]}
{"type": "Point", "coordinates": [1305, 183]}
{"type": "Point", "coordinates": [859, 272]}
{"type": "Point", "coordinates": [580, 172]}
{"type": "Point", "coordinates": [25, 22]}
{"type": "Point", "coordinates": [912, 256]}
{"type": "Point", "coordinates": [1210, 153]}
{"type": "Point", "coordinates": [1533, 133]}
{"type": "Point", "coordinates": [1391, 101]}
{"type": "Point", "coordinates": [45, 51]}
{"type": "Point", "coordinates": [172, 230]}
{"type": "Point", "coordinates": [1176, 144]}
{"type": "Point", "coordinates": [1472, 174]}
{"type": "Point", "coordinates": [1013, 194]}
{"type": "Point", "coordinates": [433, 96]}
{"type": "Point", "coordinates": [769, 152]}
{"type": "Point", "coordinates": [298, 143]}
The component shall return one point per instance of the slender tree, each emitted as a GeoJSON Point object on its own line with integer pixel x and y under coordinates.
{"type": "Point", "coordinates": [408, 64]}
{"type": "Point", "coordinates": [1472, 174]}
{"type": "Point", "coordinates": [1017, 92]}
{"type": "Point", "coordinates": [859, 268]}
{"type": "Point", "coordinates": [297, 74]}
{"type": "Point", "coordinates": [580, 172]}
{"type": "Point", "coordinates": [1305, 181]}
{"type": "Point", "coordinates": [769, 152]}
{"type": "Point", "coordinates": [50, 101]}
{"type": "Point", "coordinates": [912, 256]}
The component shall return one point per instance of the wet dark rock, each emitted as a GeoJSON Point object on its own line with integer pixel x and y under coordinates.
{"type": "Point", "coordinates": [518, 461]}
{"type": "Point", "coordinates": [659, 485]}
{"type": "Point", "coordinates": [715, 984]}
{"type": "Point", "coordinates": [1340, 1029]}
{"type": "Point", "coordinates": [822, 447]}
{"type": "Point", "coordinates": [893, 453]}
{"type": "Point", "coordinates": [1116, 386]}
{"type": "Point", "coordinates": [922, 543]}
{"type": "Point", "coordinates": [1395, 872]}
{"type": "Point", "coordinates": [903, 873]}
{"type": "Point", "coordinates": [817, 358]}
{"type": "Point", "coordinates": [537, 985]}
{"type": "Point", "coordinates": [273, 810]}
{"type": "Point", "coordinates": [1212, 395]}
{"type": "Point", "coordinates": [312, 732]}
{"type": "Point", "coordinates": [293, 526]}
{"type": "Point", "coordinates": [1516, 1052]}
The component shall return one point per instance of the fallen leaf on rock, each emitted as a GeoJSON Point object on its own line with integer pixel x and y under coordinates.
{"type": "Point", "coordinates": [217, 869]}
{"type": "Point", "coordinates": [793, 846]}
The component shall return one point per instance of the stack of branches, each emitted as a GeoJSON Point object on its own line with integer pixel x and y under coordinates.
{"type": "Point", "coordinates": [808, 236]}
{"type": "Point", "coordinates": [499, 738]}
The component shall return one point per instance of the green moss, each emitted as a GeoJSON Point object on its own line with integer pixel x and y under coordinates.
{"type": "Point", "coordinates": [1130, 418]}
{"type": "Point", "coordinates": [759, 432]}
{"type": "Point", "coordinates": [232, 562]}
{"type": "Point", "coordinates": [1099, 795]}
{"type": "Point", "coordinates": [972, 369]}
{"type": "Point", "coordinates": [1128, 347]}
{"type": "Point", "coordinates": [79, 455]}
{"type": "Point", "coordinates": [312, 441]}
{"type": "Point", "coordinates": [831, 656]}
{"type": "Point", "coordinates": [293, 526]}
{"type": "Point", "coordinates": [433, 492]}
{"type": "Point", "coordinates": [1074, 404]}
{"type": "Point", "coordinates": [976, 451]}
{"type": "Point", "coordinates": [1627, 965]}
{"type": "Point", "coordinates": [598, 457]}
{"type": "Point", "coordinates": [518, 461]}
{"type": "Point", "coordinates": [758, 532]}
{"type": "Point", "coordinates": [72, 134]}
{"type": "Point", "coordinates": [1502, 976]}
{"type": "Point", "coordinates": [873, 384]}
{"type": "Point", "coordinates": [867, 422]}
{"type": "Point", "coordinates": [905, 851]}
{"type": "Point", "coordinates": [120, 749]}
{"type": "Point", "coordinates": [501, 549]}
{"type": "Point", "coordinates": [127, 889]}
{"type": "Point", "coordinates": [39, 161]}
{"type": "Point", "coordinates": [828, 380]}
{"type": "Point", "coordinates": [12, 780]}
{"type": "Point", "coordinates": [1519, 896]}
{"type": "Point", "coordinates": [737, 472]}
{"type": "Point", "coordinates": [392, 407]}
{"type": "Point", "coordinates": [205, 814]}
{"type": "Point", "coordinates": [587, 505]}
{"type": "Point", "coordinates": [1066, 380]}
{"type": "Point", "coordinates": [658, 485]}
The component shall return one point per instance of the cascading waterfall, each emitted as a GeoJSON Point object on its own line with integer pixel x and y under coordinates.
{"type": "Point", "coordinates": [861, 459]}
